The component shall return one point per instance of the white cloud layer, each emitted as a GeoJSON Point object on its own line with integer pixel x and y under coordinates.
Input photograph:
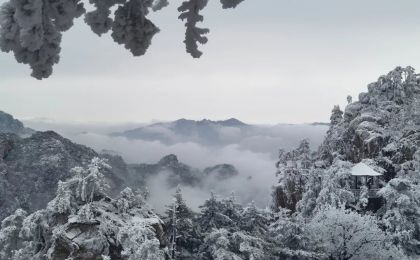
{"type": "Point", "coordinates": [254, 157]}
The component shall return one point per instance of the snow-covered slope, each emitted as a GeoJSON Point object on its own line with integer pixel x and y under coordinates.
{"type": "Point", "coordinates": [31, 167]}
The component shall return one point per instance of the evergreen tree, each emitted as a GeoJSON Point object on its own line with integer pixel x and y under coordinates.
{"type": "Point", "coordinates": [212, 216]}
{"type": "Point", "coordinates": [232, 209]}
{"type": "Point", "coordinates": [333, 145]}
{"type": "Point", "coordinates": [337, 114]}
{"type": "Point", "coordinates": [313, 187]}
{"type": "Point", "coordinates": [336, 186]}
{"type": "Point", "coordinates": [221, 244]}
{"type": "Point", "coordinates": [292, 170]}
{"type": "Point", "coordinates": [254, 220]}
{"type": "Point", "coordinates": [286, 234]}
{"type": "Point", "coordinates": [180, 230]}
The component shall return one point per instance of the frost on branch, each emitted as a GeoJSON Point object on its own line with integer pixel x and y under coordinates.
{"type": "Point", "coordinates": [345, 234]}
{"type": "Point", "coordinates": [139, 241]}
{"type": "Point", "coordinates": [159, 4]}
{"type": "Point", "coordinates": [402, 215]}
{"type": "Point", "coordinates": [230, 3]}
{"type": "Point", "coordinates": [225, 244]}
{"type": "Point", "coordinates": [32, 29]}
{"type": "Point", "coordinates": [190, 11]}
{"type": "Point", "coordinates": [132, 28]}
{"type": "Point", "coordinates": [9, 233]}
{"type": "Point", "coordinates": [99, 19]}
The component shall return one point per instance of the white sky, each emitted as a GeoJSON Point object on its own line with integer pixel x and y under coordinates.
{"type": "Point", "coordinates": [268, 61]}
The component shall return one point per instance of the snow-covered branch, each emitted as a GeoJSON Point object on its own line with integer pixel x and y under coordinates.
{"type": "Point", "coordinates": [32, 29]}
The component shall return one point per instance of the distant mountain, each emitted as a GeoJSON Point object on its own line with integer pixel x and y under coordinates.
{"type": "Point", "coordinates": [184, 130]}
{"type": "Point", "coordinates": [31, 166]}
{"type": "Point", "coordinates": [231, 131]}
{"type": "Point", "coordinates": [8, 124]}
{"type": "Point", "coordinates": [320, 123]}
{"type": "Point", "coordinates": [177, 173]}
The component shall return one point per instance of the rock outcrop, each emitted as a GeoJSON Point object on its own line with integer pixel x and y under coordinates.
{"type": "Point", "coordinates": [384, 125]}
{"type": "Point", "coordinates": [8, 124]}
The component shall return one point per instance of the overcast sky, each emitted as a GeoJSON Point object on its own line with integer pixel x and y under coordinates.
{"type": "Point", "coordinates": [268, 61]}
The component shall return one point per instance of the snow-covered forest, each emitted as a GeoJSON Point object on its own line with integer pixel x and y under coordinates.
{"type": "Point", "coordinates": [355, 197]}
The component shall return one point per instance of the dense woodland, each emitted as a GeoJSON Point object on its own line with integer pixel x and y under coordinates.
{"type": "Point", "coordinates": [315, 213]}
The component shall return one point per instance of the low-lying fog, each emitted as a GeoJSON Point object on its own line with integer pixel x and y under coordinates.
{"type": "Point", "coordinates": [253, 154]}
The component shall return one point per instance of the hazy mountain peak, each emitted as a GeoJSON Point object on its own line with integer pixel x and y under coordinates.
{"type": "Point", "coordinates": [8, 124]}
{"type": "Point", "coordinates": [228, 122]}
{"type": "Point", "coordinates": [221, 171]}
{"type": "Point", "coordinates": [169, 160]}
{"type": "Point", "coordinates": [231, 122]}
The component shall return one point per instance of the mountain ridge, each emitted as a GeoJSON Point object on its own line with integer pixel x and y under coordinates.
{"type": "Point", "coordinates": [32, 165]}
{"type": "Point", "coordinates": [8, 124]}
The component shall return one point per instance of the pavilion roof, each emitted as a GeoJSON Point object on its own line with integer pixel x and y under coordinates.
{"type": "Point", "coordinates": [362, 169]}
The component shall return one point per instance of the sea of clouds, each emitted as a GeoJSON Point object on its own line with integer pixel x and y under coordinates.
{"type": "Point", "coordinates": [253, 156]}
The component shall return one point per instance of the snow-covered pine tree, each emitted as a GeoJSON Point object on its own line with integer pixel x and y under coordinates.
{"type": "Point", "coordinates": [212, 217]}
{"type": "Point", "coordinates": [221, 244]}
{"type": "Point", "coordinates": [233, 210]}
{"type": "Point", "coordinates": [333, 143]}
{"type": "Point", "coordinates": [32, 29]}
{"type": "Point", "coordinates": [254, 220]}
{"type": "Point", "coordinates": [174, 233]}
{"type": "Point", "coordinates": [286, 235]}
{"type": "Point", "coordinates": [313, 187]}
{"type": "Point", "coordinates": [335, 185]}
{"type": "Point", "coordinates": [82, 222]}
{"type": "Point", "coordinates": [337, 114]}
{"type": "Point", "coordinates": [292, 170]}
{"type": "Point", "coordinates": [180, 230]}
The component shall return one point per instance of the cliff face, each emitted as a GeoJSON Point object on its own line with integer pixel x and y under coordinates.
{"type": "Point", "coordinates": [384, 125]}
{"type": "Point", "coordinates": [381, 128]}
